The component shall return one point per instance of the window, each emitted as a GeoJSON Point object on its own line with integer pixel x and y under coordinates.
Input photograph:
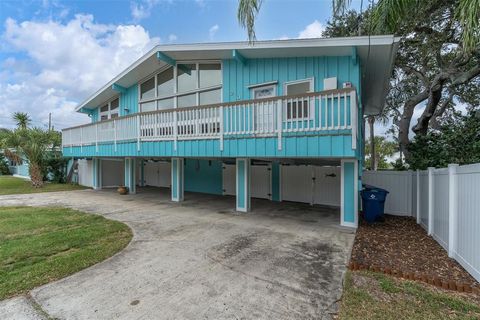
{"type": "Point", "coordinates": [165, 83]}
{"type": "Point", "coordinates": [185, 85]}
{"type": "Point", "coordinates": [110, 110]}
{"type": "Point", "coordinates": [147, 89]}
{"type": "Point", "coordinates": [210, 75]}
{"type": "Point", "coordinates": [298, 108]}
{"type": "Point", "coordinates": [186, 77]}
{"type": "Point", "coordinates": [266, 91]}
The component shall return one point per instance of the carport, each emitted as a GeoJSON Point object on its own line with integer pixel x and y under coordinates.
{"type": "Point", "coordinates": [308, 181]}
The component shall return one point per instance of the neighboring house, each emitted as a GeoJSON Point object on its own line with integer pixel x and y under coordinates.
{"type": "Point", "coordinates": [280, 120]}
{"type": "Point", "coordinates": [20, 170]}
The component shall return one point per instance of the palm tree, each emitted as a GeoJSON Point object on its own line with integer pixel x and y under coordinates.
{"type": "Point", "coordinates": [30, 144]}
{"type": "Point", "coordinates": [22, 119]}
{"type": "Point", "coordinates": [387, 16]}
{"type": "Point", "coordinates": [246, 14]}
{"type": "Point", "coordinates": [382, 118]}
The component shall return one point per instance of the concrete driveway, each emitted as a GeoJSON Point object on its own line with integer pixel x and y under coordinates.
{"type": "Point", "coordinates": [198, 260]}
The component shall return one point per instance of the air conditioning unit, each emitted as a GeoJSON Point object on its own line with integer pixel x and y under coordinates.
{"type": "Point", "coordinates": [330, 83]}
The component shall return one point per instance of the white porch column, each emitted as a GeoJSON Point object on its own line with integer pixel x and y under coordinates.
{"type": "Point", "coordinates": [349, 193]}
{"type": "Point", "coordinates": [177, 179]}
{"type": "Point", "coordinates": [243, 184]}
{"type": "Point", "coordinates": [130, 175]}
{"type": "Point", "coordinates": [97, 173]}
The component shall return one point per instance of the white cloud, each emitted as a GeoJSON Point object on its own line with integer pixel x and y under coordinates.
{"type": "Point", "coordinates": [313, 30]}
{"type": "Point", "coordinates": [142, 10]}
{"type": "Point", "coordinates": [66, 62]}
{"type": "Point", "coordinates": [172, 37]}
{"type": "Point", "coordinates": [213, 30]}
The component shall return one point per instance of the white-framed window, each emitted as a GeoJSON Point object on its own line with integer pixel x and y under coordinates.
{"type": "Point", "coordinates": [110, 110]}
{"type": "Point", "coordinates": [185, 85]}
{"type": "Point", "coordinates": [298, 108]}
{"type": "Point", "coordinates": [266, 91]}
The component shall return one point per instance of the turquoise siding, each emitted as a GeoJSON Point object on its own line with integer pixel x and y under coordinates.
{"type": "Point", "coordinates": [276, 181]}
{"type": "Point", "coordinates": [128, 104]}
{"type": "Point", "coordinates": [23, 170]}
{"type": "Point", "coordinates": [129, 100]}
{"type": "Point", "coordinates": [237, 77]}
{"type": "Point", "coordinates": [94, 115]}
{"type": "Point", "coordinates": [130, 175]}
{"type": "Point", "coordinates": [349, 181]}
{"type": "Point", "coordinates": [333, 146]}
{"type": "Point", "coordinates": [178, 177]}
{"type": "Point", "coordinates": [203, 176]}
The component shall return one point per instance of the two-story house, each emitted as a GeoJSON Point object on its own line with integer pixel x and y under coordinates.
{"type": "Point", "coordinates": [275, 119]}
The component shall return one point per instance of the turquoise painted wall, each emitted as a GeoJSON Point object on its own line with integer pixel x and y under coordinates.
{"type": "Point", "coordinates": [203, 176]}
{"type": "Point", "coordinates": [336, 144]}
{"type": "Point", "coordinates": [276, 186]}
{"type": "Point", "coordinates": [22, 170]}
{"type": "Point", "coordinates": [129, 100]}
{"type": "Point", "coordinates": [349, 181]}
{"type": "Point", "coordinates": [128, 104]}
{"type": "Point", "coordinates": [94, 115]}
{"type": "Point", "coordinates": [237, 77]}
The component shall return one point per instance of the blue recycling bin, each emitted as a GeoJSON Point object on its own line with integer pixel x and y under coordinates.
{"type": "Point", "coordinates": [373, 202]}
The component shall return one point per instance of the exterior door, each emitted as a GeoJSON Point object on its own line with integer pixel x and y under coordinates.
{"type": "Point", "coordinates": [264, 110]}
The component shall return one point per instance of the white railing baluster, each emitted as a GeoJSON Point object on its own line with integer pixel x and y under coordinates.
{"type": "Point", "coordinates": [332, 114]}
{"type": "Point", "coordinates": [333, 110]}
{"type": "Point", "coordinates": [338, 111]}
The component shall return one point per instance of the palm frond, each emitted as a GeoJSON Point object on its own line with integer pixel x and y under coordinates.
{"type": "Point", "coordinates": [388, 14]}
{"type": "Point", "coordinates": [468, 15]}
{"type": "Point", "coordinates": [340, 6]}
{"type": "Point", "coordinates": [246, 14]}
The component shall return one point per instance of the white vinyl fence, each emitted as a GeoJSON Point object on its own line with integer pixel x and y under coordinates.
{"type": "Point", "coordinates": [401, 200]}
{"type": "Point", "coordinates": [449, 199]}
{"type": "Point", "coordinates": [445, 202]}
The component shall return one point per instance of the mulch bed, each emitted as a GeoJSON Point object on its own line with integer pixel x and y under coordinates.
{"type": "Point", "coordinates": [401, 247]}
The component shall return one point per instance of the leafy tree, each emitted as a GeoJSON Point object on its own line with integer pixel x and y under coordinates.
{"type": "Point", "coordinates": [383, 150]}
{"type": "Point", "coordinates": [457, 140]}
{"type": "Point", "coordinates": [438, 63]}
{"type": "Point", "coordinates": [32, 144]}
{"type": "Point", "coordinates": [4, 170]}
{"type": "Point", "coordinates": [22, 119]}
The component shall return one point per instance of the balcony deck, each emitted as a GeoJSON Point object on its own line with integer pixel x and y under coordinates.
{"type": "Point", "coordinates": [318, 124]}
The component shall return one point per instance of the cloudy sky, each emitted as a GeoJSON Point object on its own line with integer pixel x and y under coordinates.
{"type": "Point", "coordinates": [53, 54]}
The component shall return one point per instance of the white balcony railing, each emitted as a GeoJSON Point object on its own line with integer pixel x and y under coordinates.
{"type": "Point", "coordinates": [308, 113]}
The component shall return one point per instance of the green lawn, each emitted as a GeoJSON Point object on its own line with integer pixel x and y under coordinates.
{"type": "Point", "coordinates": [39, 245]}
{"type": "Point", "coordinates": [14, 185]}
{"type": "Point", "coordinates": [369, 295]}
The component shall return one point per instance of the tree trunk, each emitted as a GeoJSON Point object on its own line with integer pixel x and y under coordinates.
{"type": "Point", "coordinates": [406, 119]}
{"type": "Point", "coordinates": [36, 177]}
{"type": "Point", "coordinates": [373, 158]}
{"type": "Point", "coordinates": [434, 97]}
